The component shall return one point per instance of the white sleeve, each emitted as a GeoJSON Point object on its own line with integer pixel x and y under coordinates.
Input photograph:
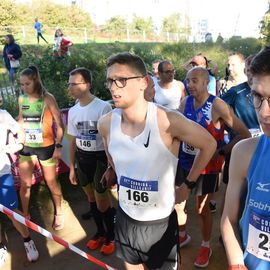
{"type": "Point", "coordinates": [71, 128]}
{"type": "Point", "coordinates": [10, 123]}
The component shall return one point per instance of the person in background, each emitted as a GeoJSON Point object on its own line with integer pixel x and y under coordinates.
{"type": "Point", "coordinates": [38, 114]}
{"type": "Point", "coordinates": [149, 92]}
{"type": "Point", "coordinates": [201, 61]}
{"type": "Point", "coordinates": [168, 91]}
{"type": "Point", "coordinates": [245, 231]}
{"type": "Point", "coordinates": [61, 44]}
{"type": "Point", "coordinates": [213, 114]}
{"type": "Point", "coordinates": [38, 27]}
{"type": "Point", "coordinates": [9, 144]}
{"type": "Point", "coordinates": [11, 54]}
{"type": "Point", "coordinates": [155, 75]}
{"type": "Point", "coordinates": [235, 73]}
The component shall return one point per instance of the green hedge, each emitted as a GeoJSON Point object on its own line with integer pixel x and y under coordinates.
{"type": "Point", "coordinates": [93, 56]}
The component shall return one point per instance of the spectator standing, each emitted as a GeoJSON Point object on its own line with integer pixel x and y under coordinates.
{"type": "Point", "coordinates": [61, 44]}
{"type": "Point", "coordinates": [11, 54]}
{"type": "Point", "coordinates": [201, 61]}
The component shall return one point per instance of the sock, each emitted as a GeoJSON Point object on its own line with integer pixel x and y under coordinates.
{"type": "Point", "coordinates": [27, 239]}
{"type": "Point", "coordinates": [97, 215]}
{"type": "Point", "coordinates": [108, 217]}
{"type": "Point", "coordinates": [182, 233]}
{"type": "Point", "coordinates": [206, 244]}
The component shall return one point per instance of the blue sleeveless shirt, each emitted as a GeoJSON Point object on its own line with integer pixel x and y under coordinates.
{"type": "Point", "coordinates": [255, 221]}
{"type": "Point", "coordinates": [202, 116]}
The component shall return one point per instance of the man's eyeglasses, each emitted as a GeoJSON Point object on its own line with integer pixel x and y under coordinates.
{"type": "Point", "coordinates": [172, 71]}
{"type": "Point", "coordinates": [257, 100]}
{"type": "Point", "coordinates": [120, 82]}
{"type": "Point", "coordinates": [74, 84]}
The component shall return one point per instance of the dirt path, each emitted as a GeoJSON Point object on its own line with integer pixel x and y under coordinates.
{"type": "Point", "coordinates": [55, 257]}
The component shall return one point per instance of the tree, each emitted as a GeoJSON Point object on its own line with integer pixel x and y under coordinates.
{"type": "Point", "coordinates": [116, 24]}
{"type": "Point", "coordinates": [265, 26]}
{"type": "Point", "coordinates": [8, 14]}
{"type": "Point", "coordinates": [171, 23]}
{"type": "Point", "coordinates": [142, 24]}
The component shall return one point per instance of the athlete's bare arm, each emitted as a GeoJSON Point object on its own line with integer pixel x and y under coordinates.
{"type": "Point", "coordinates": [53, 107]}
{"type": "Point", "coordinates": [182, 89]}
{"type": "Point", "coordinates": [21, 133]}
{"type": "Point", "coordinates": [222, 112]}
{"type": "Point", "coordinates": [230, 218]}
{"type": "Point", "coordinates": [104, 123]}
{"type": "Point", "coordinates": [72, 150]}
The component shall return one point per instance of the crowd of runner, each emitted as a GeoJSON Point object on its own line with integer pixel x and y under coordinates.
{"type": "Point", "coordinates": [162, 141]}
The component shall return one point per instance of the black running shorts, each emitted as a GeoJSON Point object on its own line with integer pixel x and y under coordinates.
{"type": "Point", "coordinates": [152, 243]}
{"type": "Point", "coordinates": [90, 168]}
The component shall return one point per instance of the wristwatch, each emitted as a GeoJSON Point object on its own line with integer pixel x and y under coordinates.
{"type": "Point", "coordinates": [58, 145]}
{"type": "Point", "coordinates": [190, 184]}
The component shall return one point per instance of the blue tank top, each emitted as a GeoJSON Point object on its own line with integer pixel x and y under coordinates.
{"type": "Point", "coordinates": [202, 116]}
{"type": "Point", "coordinates": [255, 221]}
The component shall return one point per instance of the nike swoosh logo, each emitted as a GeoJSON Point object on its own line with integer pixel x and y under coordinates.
{"type": "Point", "coordinates": [148, 138]}
{"type": "Point", "coordinates": [11, 204]}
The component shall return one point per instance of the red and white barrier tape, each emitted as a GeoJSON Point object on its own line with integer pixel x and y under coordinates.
{"type": "Point", "coordinates": [55, 238]}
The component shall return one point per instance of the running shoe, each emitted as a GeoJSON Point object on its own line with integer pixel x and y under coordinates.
{"type": "Point", "coordinates": [203, 257]}
{"type": "Point", "coordinates": [108, 248]}
{"type": "Point", "coordinates": [3, 255]}
{"type": "Point", "coordinates": [31, 251]}
{"type": "Point", "coordinates": [96, 241]}
{"type": "Point", "coordinates": [184, 240]}
{"type": "Point", "coordinates": [213, 206]}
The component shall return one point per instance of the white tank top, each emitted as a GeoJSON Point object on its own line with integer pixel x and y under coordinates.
{"type": "Point", "coordinates": [145, 169]}
{"type": "Point", "coordinates": [169, 98]}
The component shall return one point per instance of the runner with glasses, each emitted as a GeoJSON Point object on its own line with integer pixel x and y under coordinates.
{"type": "Point", "coordinates": [87, 152]}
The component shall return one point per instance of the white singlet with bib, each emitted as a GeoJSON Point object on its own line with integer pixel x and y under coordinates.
{"type": "Point", "coordinates": [145, 169]}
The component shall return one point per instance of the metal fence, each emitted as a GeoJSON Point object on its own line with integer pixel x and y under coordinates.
{"type": "Point", "coordinates": [26, 34]}
{"type": "Point", "coordinates": [7, 89]}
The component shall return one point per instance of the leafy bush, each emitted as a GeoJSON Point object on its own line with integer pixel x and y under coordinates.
{"type": "Point", "coordinates": [54, 73]}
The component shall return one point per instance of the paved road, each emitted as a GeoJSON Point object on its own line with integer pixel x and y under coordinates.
{"type": "Point", "coordinates": [76, 231]}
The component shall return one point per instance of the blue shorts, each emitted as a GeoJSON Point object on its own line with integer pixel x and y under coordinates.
{"type": "Point", "coordinates": [8, 194]}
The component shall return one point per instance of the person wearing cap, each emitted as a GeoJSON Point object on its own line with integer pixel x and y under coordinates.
{"type": "Point", "coordinates": [201, 61]}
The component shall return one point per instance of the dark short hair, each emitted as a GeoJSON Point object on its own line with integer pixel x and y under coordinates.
{"type": "Point", "coordinates": [32, 73]}
{"type": "Point", "coordinates": [11, 38]}
{"type": "Point", "coordinates": [84, 72]}
{"type": "Point", "coordinates": [260, 65]}
{"type": "Point", "coordinates": [133, 61]}
{"type": "Point", "coordinates": [162, 63]}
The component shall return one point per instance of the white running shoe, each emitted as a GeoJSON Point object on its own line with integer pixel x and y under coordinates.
{"type": "Point", "coordinates": [3, 255]}
{"type": "Point", "coordinates": [31, 251]}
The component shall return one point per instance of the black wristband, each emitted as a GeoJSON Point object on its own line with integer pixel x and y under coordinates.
{"type": "Point", "coordinates": [190, 184]}
{"type": "Point", "coordinates": [58, 145]}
